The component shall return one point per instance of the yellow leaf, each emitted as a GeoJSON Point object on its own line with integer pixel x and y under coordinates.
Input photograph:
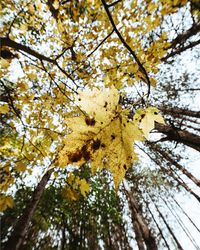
{"type": "Point", "coordinates": [4, 63]}
{"type": "Point", "coordinates": [23, 86]}
{"type": "Point", "coordinates": [23, 28]}
{"type": "Point", "coordinates": [4, 108]}
{"type": "Point", "coordinates": [84, 187]}
{"type": "Point", "coordinates": [56, 4]}
{"type": "Point", "coordinates": [5, 202]}
{"type": "Point", "coordinates": [153, 82]}
{"type": "Point", "coordinates": [31, 9]}
{"type": "Point", "coordinates": [104, 135]}
{"type": "Point", "coordinates": [147, 118]}
{"type": "Point", "coordinates": [32, 76]}
{"type": "Point", "coordinates": [70, 194]}
{"type": "Point", "coordinates": [20, 167]}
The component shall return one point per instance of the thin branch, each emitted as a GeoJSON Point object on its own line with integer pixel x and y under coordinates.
{"type": "Point", "coordinates": [141, 67]}
{"type": "Point", "coordinates": [181, 49]}
{"type": "Point", "coordinates": [94, 50]}
{"type": "Point", "coordinates": [113, 4]}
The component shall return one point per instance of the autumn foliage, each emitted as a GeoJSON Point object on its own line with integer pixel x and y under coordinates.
{"type": "Point", "coordinates": [77, 87]}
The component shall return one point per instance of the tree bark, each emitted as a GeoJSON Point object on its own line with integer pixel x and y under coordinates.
{"type": "Point", "coordinates": [21, 227]}
{"type": "Point", "coordinates": [178, 135]}
{"type": "Point", "coordinates": [171, 173]}
{"type": "Point", "coordinates": [141, 227]}
{"type": "Point", "coordinates": [182, 38]}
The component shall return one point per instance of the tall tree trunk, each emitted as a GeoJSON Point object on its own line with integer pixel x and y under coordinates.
{"type": "Point", "coordinates": [183, 211]}
{"type": "Point", "coordinates": [159, 229]}
{"type": "Point", "coordinates": [180, 111]}
{"type": "Point", "coordinates": [178, 135]}
{"type": "Point", "coordinates": [171, 173]}
{"type": "Point", "coordinates": [21, 227]}
{"type": "Point", "coordinates": [139, 221]}
{"type": "Point", "coordinates": [167, 225]}
{"type": "Point", "coordinates": [180, 222]}
{"type": "Point", "coordinates": [166, 156]}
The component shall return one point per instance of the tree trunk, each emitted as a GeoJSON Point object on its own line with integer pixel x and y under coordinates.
{"type": "Point", "coordinates": [166, 156]}
{"type": "Point", "coordinates": [159, 229]}
{"type": "Point", "coordinates": [178, 135]}
{"type": "Point", "coordinates": [170, 172]}
{"type": "Point", "coordinates": [21, 227]}
{"type": "Point", "coordinates": [168, 227]}
{"type": "Point", "coordinates": [141, 227]}
{"type": "Point", "coordinates": [180, 111]}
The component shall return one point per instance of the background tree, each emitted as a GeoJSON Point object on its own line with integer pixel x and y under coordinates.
{"type": "Point", "coordinates": [50, 52]}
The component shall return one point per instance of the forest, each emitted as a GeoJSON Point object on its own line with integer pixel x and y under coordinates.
{"type": "Point", "coordinates": [100, 125]}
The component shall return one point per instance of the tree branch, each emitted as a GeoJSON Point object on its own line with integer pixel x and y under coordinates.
{"type": "Point", "coordinates": [5, 41]}
{"type": "Point", "coordinates": [181, 39]}
{"type": "Point", "coordinates": [141, 67]}
{"type": "Point", "coordinates": [180, 50]}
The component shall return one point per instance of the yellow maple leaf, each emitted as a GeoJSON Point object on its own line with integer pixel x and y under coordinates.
{"type": "Point", "coordinates": [75, 186]}
{"type": "Point", "coordinates": [32, 76]}
{"type": "Point", "coordinates": [4, 63]}
{"type": "Point", "coordinates": [84, 187]}
{"type": "Point", "coordinates": [70, 194]}
{"type": "Point", "coordinates": [147, 118]}
{"type": "Point", "coordinates": [5, 202]}
{"type": "Point", "coordinates": [56, 4]}
{"type": "Point", "coordinates": [104, 135]}
{"type": "Point", "coordinates": [20, 167]}
{"type": "Point", "coordinates": [4, 108]}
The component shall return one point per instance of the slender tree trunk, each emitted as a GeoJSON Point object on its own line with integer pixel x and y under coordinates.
{"type": "Point", "coordinates": [63, 239]}
{"type": "Point", "coordinates": [183, 211]}
{"type": "Point", "coordinates": [21, 227]}
{"type": "Point", "coordinates": [170, 172]}
{"type": "Point", "coordinates": [139, 221]}
{"type": "Point", "coordinates": [168, 227]}
{"type": "Point", "coordinates": [166, 156]}
{"type": "Point", "coordinates": [159, 229]}
{"type": "Point", "coordinates": [138, 235]}
{"type": "Point", "coordinates": [185, 186]}
{"type": "Point", "coordinates": [181, 223]}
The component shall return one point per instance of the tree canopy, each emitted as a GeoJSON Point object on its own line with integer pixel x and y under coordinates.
{"type": "Point", "coordinates": [99, 115]}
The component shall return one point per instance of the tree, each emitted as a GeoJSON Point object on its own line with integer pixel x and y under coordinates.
{"type": "Point", "coordinates": [82, 82]}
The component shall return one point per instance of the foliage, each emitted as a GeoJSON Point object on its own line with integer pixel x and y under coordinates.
{"type": "Point", "coordinates": [83, 85]}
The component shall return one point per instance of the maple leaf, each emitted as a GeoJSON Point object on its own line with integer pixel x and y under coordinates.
{"type": "Point", "coordinates": [5, 202]}
{"type": "Point", "coordinates": [4, 108]}
{"type": "Point", "coordinates": [75, 186]}
{"type": "Point", "coordinates": [104, 135]}
{"type": "Point", "coordinates": [146, 119]}
{"type": "Point", "coordinates": [84, 187]}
